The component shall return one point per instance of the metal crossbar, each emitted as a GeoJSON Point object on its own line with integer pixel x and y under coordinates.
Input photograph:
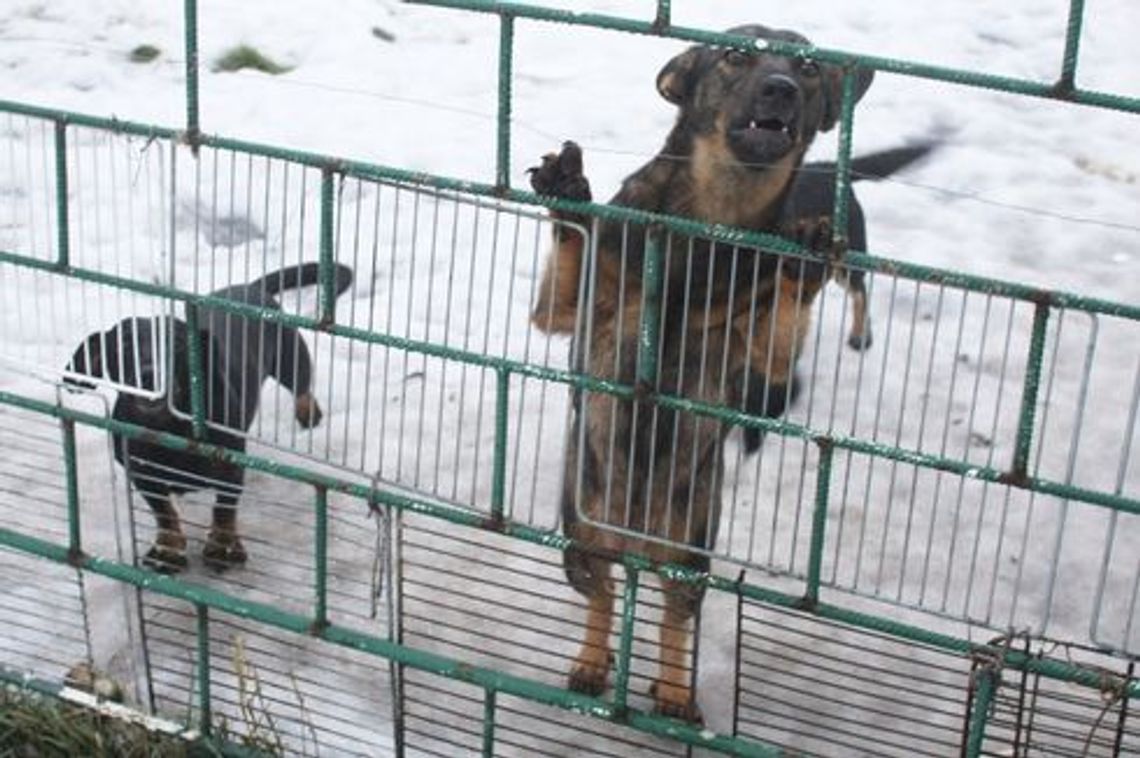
{"type": "Point", "coordinates": [445, 643]}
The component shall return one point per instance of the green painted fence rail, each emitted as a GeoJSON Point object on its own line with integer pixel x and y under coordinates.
{"type": "Point", "coordinates": [494, 194]}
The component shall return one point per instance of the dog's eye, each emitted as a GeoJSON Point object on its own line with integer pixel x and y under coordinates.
{"type": "Point", "coordinates": [736, 57]}
{"type": "Point", "coordinates": [809, 68]}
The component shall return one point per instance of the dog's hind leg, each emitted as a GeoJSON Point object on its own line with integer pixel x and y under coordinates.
{"type": "Point", "coordinates": [672, 691]}
{"type": "Point", "coordinates": [223, 547]}
{"type": "Point", "coordinates": [590, 575]}
{"type": "Point", "coordinates": [859, 338]}
{"type": "Point", "coordinates": [168, 553]}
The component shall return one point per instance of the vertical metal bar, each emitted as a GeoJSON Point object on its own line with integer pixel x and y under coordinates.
{"type": "Point", "coordinates": [651, 282]}
{"type": "Point", "coordinates": [739, 651]}
{"type": "Point", "coordinates": [327, 281]}
{"type": "Point", "coordinates": [1021, 690]}
{"type": "Point", "coordinates": [661, 22]}
{"type": "Point", "coordinates": [63, 229]}
{"type": "Point", "coordinates": [1029, 392]}
{"type": "Point", "coordinates": [843, 159]}
{"type": "Point", "coordinates": [197, 371]}
{"type": "Point", "coordinates": [190, 9]}
{"type": "Point", "coordinates": [71, 471]}
{"type": "Point", "coordinates": [983, 697]}
{"type": "Point", "coordinates": [819, 521]}
{"type": "Point", "coordinates": [489, 723]}
{"type": "Point", "coordinates": [499, 464]}
{"type": "Point", "coordinates": [506, 51]}
{"type": "Point", "coordinates": [321, 559]}
{"type": "Point", "coordinates": [1067, 82]}
{"type": "Point", "coordinates": [625, 643]}
{"type": "Point", "coordinates": [204, 716]}
{"type": "Point", "coordinates": [1122, 719]}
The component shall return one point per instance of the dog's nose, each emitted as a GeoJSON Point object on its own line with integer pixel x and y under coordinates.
{"type": "Point", "coordinates": [779, 88]}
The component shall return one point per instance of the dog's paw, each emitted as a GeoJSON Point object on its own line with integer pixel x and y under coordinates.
{"type": "Point", "coordinates": [307, 411]}
{"type": "Point", "coordinates": [589, 678]}
{"type": "Point", "coordinates": [813, 233]}
{"type": "Point", "coordinates": [165, 560]}
{"type": "Point", "coordinates": [223, 550]}
{"type": "Point", "coordinates": [560, 175]}
{"type": "Point", "coordinates": [859, 342]}
{"type": "Point", "coordinates": [675, 702]}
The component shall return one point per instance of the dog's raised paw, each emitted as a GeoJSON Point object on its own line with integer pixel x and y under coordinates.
{"type": "Point", "coordinates": [165, 560]}
{"type": "Point", "coordinates": [223, 550]}
{"type": "Point", "coordinates": [675, 702]}
{"type": "Point", "coordinates": [560, 175]}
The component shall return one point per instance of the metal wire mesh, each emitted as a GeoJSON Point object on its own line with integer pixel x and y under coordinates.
{"type": "Point", "coordinates": [972, 473]}
{"type": "Point", "coordinates": [44, 607]}
{"type": "Point", "coordinates": [297, 695]}
{"type": "Point", "coordinates": [489, 600]}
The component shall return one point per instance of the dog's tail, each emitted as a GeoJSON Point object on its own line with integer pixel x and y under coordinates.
{"type": "Point", "coordinates": [301, 275]}
{"type": "Point", "coordinates": [882, 164]}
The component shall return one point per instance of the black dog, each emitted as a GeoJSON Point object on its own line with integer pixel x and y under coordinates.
{"type": "Point", "coordinates": [238, 355]}
{"type": "Point", "coordinates": [813, 196]}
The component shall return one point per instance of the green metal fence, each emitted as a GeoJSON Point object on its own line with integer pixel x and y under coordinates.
{"type": "Point", "coordinates": [990, 695]}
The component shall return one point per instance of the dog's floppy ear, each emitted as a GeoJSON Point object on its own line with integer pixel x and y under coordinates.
{"type": "Point", "coordinates": [833, 92]}
{"type": "Point", "coordinates": [675, 81]}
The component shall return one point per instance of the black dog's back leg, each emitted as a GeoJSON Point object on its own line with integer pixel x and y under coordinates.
{"type": "Point", "coordinates": [168, 553]}
{"type": "Point", "coordinates": [859, 338]}
{"type": "Point", "coordinates": [224, 548]}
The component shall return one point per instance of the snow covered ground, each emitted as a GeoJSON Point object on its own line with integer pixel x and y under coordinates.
{"type": "Point", "coordinates": [1028, 190]}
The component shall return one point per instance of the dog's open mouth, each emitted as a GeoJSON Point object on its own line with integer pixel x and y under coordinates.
{"type": "Point", "coordinates": [762, 140]}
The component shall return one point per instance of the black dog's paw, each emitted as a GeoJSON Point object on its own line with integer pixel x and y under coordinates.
{"type": "Point", "coordinates": [560, 175]}
{"type": "Point", "coordinates": [223, 550]}
{"type": "Point", "coordinates": [767, 400]}
{"type": "Point", "coordinates": [165, 560]}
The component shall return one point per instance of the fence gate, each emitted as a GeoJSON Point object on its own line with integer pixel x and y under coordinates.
{"type": "Point", "coordinates": [925, 557]}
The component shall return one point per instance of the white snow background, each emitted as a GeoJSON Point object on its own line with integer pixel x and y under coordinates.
{"type": "Point", "coordinates": [1021, 189]}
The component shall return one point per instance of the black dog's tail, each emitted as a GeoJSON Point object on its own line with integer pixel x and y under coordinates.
{"type": "Point", "coordinates": [881, 165]}
{"type": "Point", "coordinates": [301, 275]}
{"type": "Point", "coordinates": [876, 165]}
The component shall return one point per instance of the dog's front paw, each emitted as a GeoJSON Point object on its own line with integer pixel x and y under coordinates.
{"type": "Point", "coordinates": [223, 550]}
{"type": "Point", "coordinates": [813, 233]}
{"type": "Point", "coordinates": [675, 702]}
{"type": "Point", "coordinates": [560, 175]}
{"type": "Point", "coordinates": [165, 559]}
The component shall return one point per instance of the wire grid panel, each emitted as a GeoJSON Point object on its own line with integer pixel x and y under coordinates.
{"type": "Point", "coordinates": [429, 267]}
{"type": "Point", "coordinates": [945, 377]}
{"type": "Point", "coordinates": [821, 688]}
{"type": "Point", "coordinates": [294, 693]}
{"type": "Point", "coordinates": [493, 602]}
{"type": "Point", "coordinates": [117, 203]}
{"type": "Point", "coordinates": [43, 604]}
{"type": "Point", "coordinates": [1034, 715]}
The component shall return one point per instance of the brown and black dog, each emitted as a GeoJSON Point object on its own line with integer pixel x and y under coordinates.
{"type": "Point", "coordinates": [642, 478]}
{"type": "Point", "coordinates": [238, 355]}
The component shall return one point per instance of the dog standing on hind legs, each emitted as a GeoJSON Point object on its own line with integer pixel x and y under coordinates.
{"type": "Point", "coordinates": [744, 123]}
{"type": "Point", "coordinates": [238, 355]}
